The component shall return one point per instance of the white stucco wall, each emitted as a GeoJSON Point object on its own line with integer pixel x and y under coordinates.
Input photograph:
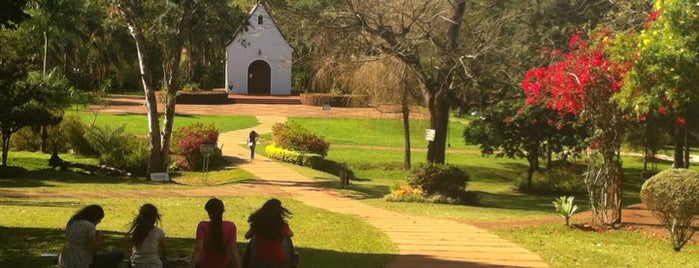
{"type": "Point", "coordinates": [259, 42]}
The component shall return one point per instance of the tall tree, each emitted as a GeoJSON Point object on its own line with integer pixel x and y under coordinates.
{"type": "Point", "coordinates": [159, 29]}
{"type": "Point", "coordinates": [666, 69]}
{"type": "Point", "coordinates": [423, 35]}
{"type": "Point", "coordinates": [583, 82]}
{"type": "Point", "coordinates": [516, 129]}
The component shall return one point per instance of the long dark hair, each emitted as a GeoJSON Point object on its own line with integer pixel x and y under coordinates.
{"type": "Point", "coordinates": [91, 213]}
{"type": "Point", "coordinates": [252, 136]}
{"type": "Point", "coordinates": [215, 209]}
{"type": "Point", "coordinates": [143, 224]}
{"type": "Point", "coordinates": [269, 219]}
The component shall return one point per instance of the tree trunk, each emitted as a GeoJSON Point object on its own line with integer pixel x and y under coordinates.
{"type": "Point", "coordinates": [5, 147]}
{"type": "Point", "coordinates": [439, 120]}
{"type": "Point", "coordinates": [406, 129]}
{"type": "Point", "coordinates": [686, 146]}
{"type": "Point", "coordinates": [678, 139]}
{"type": "Point", "coordinates": [533, 159]}
{"type": "Point", "coordinates": [155, 161]}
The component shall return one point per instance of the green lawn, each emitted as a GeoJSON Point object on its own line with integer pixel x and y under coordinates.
{"type": "Point", "coordinates": [29, 227]}
{"type": "Point", "coordinates": [138, 123]}
{"type": "Point", "coordinates": [32, 226]}
{"type": "Point", "coordinates": [38, 177]}
{"type": "Point", "coordinates": [492, 179]}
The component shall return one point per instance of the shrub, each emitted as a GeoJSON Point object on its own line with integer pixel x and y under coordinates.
{"type": "Point", "coordinates": [447, 180]}
{"type": "Point", "coordinates": [187, 141]}
{"type": "Point", "coordinates": [334, 100]}
{"type": "Point", "coordinates": [25, 140]}
{"type": "Point", "coordinates": [75, 130]}
{"type": "Point", "coordinates": [417, 195]}
{"type": "Point", "coordinates": [119, 150]}
{"type": "Point", "coordinates": [559, 180]}
{"type": "Point", "coordinates": [307, 160]}
{"type": "Point", "coordinates": [672, 196]}
{"type": "Point", "coordinates": [292, 136]}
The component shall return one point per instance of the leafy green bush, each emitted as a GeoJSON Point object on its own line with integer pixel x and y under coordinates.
{"type": "Point", "coordinates": [119, 150]}
{"type": "Point", "coordinates": [559, 180]}
{"type": "Point", "coordinates": [25, 140]}
{"type": "Point", "coordinates": [307, 160]}
{"type": "Point", "coordinates": [673, 197]}
{"type": "Point", "coordinates": [447, 180]}
{"type": "Point", "coordinates": [417, 195]}
{"type": "Point", "coordinates": [294, 137]}
{"type": "Point", "coordinates": [75, 130]}
{"type": "Point", "coordinates": [188, 140]}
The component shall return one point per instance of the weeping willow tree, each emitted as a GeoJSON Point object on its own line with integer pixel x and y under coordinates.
{"type": "Point", "coordinates": [383, 79]}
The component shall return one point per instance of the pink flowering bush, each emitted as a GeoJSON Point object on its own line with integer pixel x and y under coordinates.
{"type": "Point", "coordinates": [294, 137]}
{"type": "Point", "coordinates": [188, 141]}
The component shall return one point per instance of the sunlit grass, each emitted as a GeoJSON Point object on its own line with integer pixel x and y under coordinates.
{"type": "Point", "coordinates": [138, 123]}
{"type": "Point", "coordinates": [347, 241]}
{"type": "Point", "coordinates": [561, 246]}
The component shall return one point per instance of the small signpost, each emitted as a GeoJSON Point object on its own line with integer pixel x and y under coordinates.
{"type": "Point", "coordinates": [429, 134]}
{"type": "Point", "coordinates": [160, 176]}
{"type": "Point", "coordinates": [206, 150]}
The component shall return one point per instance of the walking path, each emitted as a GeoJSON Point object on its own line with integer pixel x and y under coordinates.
{"type": "Point", "coordinates": [421, 241]}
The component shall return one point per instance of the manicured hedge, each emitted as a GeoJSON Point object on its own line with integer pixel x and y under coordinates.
{"type": "Point", "coordinates": [319, 99]}
{"type": "Point", "coordinates": [307, 160]}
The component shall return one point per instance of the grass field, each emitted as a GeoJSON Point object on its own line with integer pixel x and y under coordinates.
{"type": "Point", "coordinates": [29, 226]}
{"type": "Point", "coordinates": [138, 123]}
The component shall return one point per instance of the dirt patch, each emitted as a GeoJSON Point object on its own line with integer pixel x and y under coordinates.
{"type": "Point", "coordinates": [634, 218]}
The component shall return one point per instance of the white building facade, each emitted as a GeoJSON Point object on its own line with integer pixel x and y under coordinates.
{"type": "Point", "coordinates": [258, 59]}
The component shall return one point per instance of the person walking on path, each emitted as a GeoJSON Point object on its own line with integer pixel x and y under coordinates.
{"type": "Point", "coordinates": [252, 142]}
{"type": "Point", "coordinates": [83, 239]}
{"type": "Point", "coordinates": [216, 240]}
{"type": "Point", "coordinates": [270, 243]}
{"type": "Point", "coordinates": [146, 240]}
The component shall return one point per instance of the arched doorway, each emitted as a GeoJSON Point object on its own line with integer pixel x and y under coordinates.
{"type": "Point", "coordinates": [259, 78]}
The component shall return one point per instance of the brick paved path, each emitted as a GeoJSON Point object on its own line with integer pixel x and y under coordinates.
{"type": "Point", "coordinates": [421, 241]}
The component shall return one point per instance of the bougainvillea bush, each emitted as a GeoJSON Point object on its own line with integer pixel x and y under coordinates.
{"type": "Point", "coordinates": [292, 136]}
{"type": "Point", "coordinates": [582, 82]}
{"type": "Point", "coordinates": [188, 141]}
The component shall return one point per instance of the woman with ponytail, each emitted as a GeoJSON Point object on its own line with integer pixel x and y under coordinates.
{"type": "Point", "coordinates": [147, 241]}
{"type": "Point", "coordinates": [216, 240]}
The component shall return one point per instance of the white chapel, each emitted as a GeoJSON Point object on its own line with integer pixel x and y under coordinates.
{"type": "Point", "coordinates": [258, 59]}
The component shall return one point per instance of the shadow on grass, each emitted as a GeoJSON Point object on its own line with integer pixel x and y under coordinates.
{"type": "Point", "coordinates": [517, 201]}
{"type": "Point", "coordinates": [361, 191]}
{"type": "Point", "coordinates": [39, 178]}
{"type": "Point", "coordinates": [21, 247]}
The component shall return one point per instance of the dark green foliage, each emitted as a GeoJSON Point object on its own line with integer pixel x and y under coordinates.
{"type": "Point", "coordinates": [673, 197]}
{"type": "Point", "coordinates": [447, 180]}
{"type": "Point", "coordinates": [563, 178]}
{"type": "Point", "coordinates": [11, 12]}
{"type": "Point", "coordinates": [75, 131]}
{"type": "Point", "coordinates": [119, 150]}
{"type": "Point", "coordinates": [25, 140]}
{"type": "Point", "coordinates": [294, 137]}
{"type": "Point", "coordinates": [517, 130]}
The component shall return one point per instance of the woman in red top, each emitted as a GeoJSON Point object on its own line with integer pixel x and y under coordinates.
{"type": "Point", "coordinates": [270, 236]}
{"type": "Point", "coordinates": [216, 240]}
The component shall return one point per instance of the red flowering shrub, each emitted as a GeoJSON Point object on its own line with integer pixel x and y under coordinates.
{"type": "Point", "coordinates": [292, 136]}
{"type": "Point", "coordinates": [189, 139]}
